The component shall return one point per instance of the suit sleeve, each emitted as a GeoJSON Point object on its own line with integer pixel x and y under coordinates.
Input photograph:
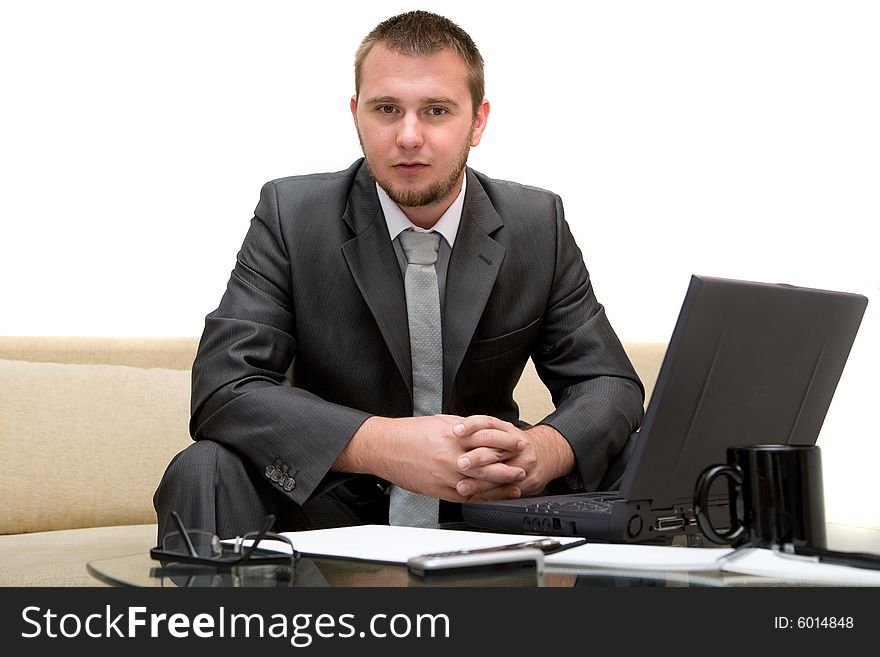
{"type": "Point", "coordinates": [597, 393]}
{"type": "Point", "coordinates": [240, 396]}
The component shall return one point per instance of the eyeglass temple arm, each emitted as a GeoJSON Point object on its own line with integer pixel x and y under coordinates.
{"type": "Point", "coordinates": [184, 534]}
{"type": "Point", "coordinates": [267, 525]}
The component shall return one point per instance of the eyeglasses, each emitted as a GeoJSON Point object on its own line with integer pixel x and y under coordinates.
{"type": "Point", "coordinates": [200, 547]}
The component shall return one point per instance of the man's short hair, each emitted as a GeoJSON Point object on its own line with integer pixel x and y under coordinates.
{"type": "Point", "coordinates": [422, 33]}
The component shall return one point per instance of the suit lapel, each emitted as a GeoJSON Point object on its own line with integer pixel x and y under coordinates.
{"type": "Point", "coordinates": [473, 268]}
{"type": "Point", "coordinates": [373, 265]}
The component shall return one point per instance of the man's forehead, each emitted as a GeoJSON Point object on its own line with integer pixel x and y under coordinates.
{"type": "Point", "coordinates": [383, 66]}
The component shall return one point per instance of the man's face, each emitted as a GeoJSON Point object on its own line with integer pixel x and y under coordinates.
{"type": "Point", "coordinates": [416, 124]}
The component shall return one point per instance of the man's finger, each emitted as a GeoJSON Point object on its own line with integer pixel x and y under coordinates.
{"type": "Point", "coordinates": [474, 423]}
{"type": "Point", "coordinates": [497, 493]}
{"type": "Point", "coordinates": [494, 475]}
{"type": "Point", "coordinates": [497, 473]}
{"type": "Point", "coordinates": [482, 456]}
{"type": "Point", "coordinates": [497, 438]}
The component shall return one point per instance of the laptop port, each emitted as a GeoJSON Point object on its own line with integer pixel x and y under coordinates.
{"type": "Point", "coordinates": [669, 523]}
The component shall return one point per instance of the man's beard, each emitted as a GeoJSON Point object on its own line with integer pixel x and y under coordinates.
{"type": "Point", "coordinates": [416, 198]}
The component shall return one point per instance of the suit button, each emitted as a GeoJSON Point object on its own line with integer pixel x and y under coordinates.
{"type": "Point", "coordinates": [290, 484]}
{"type": "Point", "coordinates": [270, 471]}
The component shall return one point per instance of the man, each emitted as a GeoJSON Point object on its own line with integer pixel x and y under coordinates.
{"type": "Point", "coordinates": [361, 362]}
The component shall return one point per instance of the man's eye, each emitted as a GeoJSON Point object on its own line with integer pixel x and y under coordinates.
{"type": "Point", "coordinates": [437, 111]}
{"type": "Point", "coordinates": [386, 109]}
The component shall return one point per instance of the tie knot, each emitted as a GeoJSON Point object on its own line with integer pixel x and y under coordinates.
{"type": "Point", "coordinates": [420, 248]}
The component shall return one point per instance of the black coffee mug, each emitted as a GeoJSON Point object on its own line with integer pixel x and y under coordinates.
{"type": "Point", "coordinates": [775, 496]}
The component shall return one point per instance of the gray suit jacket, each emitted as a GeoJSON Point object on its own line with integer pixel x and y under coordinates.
{"type": "Point", "coordinates": [311, 336]}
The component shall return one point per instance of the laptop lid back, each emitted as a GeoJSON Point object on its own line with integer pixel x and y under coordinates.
{"type": "Point", "coordinates": [747, 363]}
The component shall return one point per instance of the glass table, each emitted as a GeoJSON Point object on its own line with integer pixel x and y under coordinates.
{"type": "Point", "coordinates": [310, 571]}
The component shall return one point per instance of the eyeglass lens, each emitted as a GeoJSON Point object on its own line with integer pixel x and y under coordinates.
{"type": "Point", "coordinates": [206, 544]}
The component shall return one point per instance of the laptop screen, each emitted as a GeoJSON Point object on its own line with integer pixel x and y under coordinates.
{"type": "Point", "coordinates": [748, 363]}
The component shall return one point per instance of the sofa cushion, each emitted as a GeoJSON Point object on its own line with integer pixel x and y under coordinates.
{"type": "Point", "coordinates": [59, 558]}
{"type": "Point", "coordinates": [86, 445]}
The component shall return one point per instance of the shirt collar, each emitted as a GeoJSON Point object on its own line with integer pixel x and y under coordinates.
{"type": "Point", "coordinates": [398, 222]}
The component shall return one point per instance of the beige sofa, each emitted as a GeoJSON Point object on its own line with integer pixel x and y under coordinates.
{"type": "Point", "coordinates": [87, 426]}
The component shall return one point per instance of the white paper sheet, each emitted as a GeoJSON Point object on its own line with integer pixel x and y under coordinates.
{"type": "Point", "coordinates": [395, 544]}
{"type": "Point", "coordinates": [639, 557]}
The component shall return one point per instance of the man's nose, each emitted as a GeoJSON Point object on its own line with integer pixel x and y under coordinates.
{"type": "Point", "coordinates": [410, 133]}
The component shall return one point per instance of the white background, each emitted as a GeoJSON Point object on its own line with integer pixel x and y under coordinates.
{"type": "Point", "coordinates": [736, 139]}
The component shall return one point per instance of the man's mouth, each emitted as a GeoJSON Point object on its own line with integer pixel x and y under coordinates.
{"type": "Point", "coordinates": [410, 167]}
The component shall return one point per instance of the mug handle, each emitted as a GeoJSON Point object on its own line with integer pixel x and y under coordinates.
{"type": "Point", "coordinates": [701, 503]}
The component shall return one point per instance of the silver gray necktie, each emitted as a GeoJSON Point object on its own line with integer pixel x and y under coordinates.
{"type": "Point", "coordinates": [425, 339]}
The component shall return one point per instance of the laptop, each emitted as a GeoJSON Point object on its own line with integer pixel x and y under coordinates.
{"type": "Point", "coordinates": [748, 363]}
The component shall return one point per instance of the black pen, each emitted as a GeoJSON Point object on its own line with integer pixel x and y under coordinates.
{"type": "Point", "coordinates": [820, 555]}
{"type": "Point", "coordinates": [545, 545]}
{"type": "Point", "coordinates": [555, 546]}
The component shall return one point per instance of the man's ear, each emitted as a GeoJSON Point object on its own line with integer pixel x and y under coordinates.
{"type": "Point", "coordinates": [480, 118]}
{"type": "Point", "coordinates": [354, 109]}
